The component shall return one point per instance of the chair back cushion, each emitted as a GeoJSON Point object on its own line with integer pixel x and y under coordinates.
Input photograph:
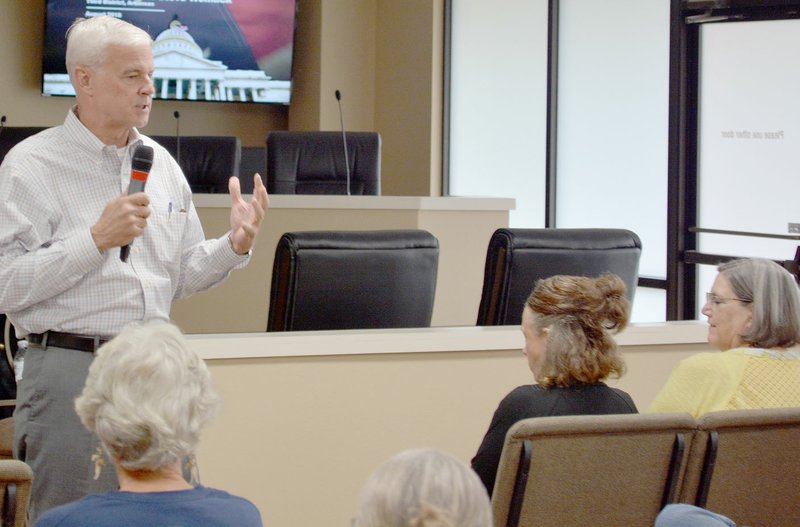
{"type": "Point", "coordinates": [517, 258]}
{"type": "Point", "coordinates": [591, 469]}
{"type": "Point", "coordinates": [208, 162]}
{"type": "Point", "coordinates": [254, 160]}
{"type": "Point", "coordinates": [11, 135]}
{"type": "Point", "coordinates": [314, 163]}
{"type": "Point", "coordinates": [8, 383]}
{"type": "Point", "coordinates": [353, 280]}
{"type": "Point", "coordinates": [744, 465]}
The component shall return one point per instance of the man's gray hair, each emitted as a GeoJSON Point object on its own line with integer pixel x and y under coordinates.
{"type": "Point", "coordinates": [88, 40]}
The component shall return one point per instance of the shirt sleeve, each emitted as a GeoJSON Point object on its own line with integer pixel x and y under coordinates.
{"type": "Point", "coordinates": [34, 264]}
{"type": "Point", "coordinates": [205, 263]}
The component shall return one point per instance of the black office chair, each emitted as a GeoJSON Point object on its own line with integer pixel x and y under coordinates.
{"type": "Point", "coordinates": [8, 383]}
{"type": "Point", "coordinates": [11, 135]}
{"type": "Point", "coordinates": [208, 162]}
{"type": "Point", "coordinates": [314, 163]}
{"type": "Point", "coordinates": [353, 280]}
{"type": "Point", "coordinates": [254, 160]}
{"type": "Point", "coordinates": [517, 258]}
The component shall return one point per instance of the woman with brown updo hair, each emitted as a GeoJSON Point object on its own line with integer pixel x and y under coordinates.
{"type": "Point", "coordinates": [568, 323]}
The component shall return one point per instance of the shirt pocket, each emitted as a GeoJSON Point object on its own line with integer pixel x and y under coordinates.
{"type": "Point", "coordinates": [166, 226]}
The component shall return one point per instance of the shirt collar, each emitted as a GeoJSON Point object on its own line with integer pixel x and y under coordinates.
{"type": "Point", "coordinates": [87, 140]}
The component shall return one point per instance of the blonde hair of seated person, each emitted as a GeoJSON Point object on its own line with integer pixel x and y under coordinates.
{"type": "Point", "coordinates": [148, 396]}
{"type": "Point", "coordinates": [424, 487]}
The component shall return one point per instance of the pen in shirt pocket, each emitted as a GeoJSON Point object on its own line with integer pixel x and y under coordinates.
{"type": "Point", "coordinates": [169, 210]}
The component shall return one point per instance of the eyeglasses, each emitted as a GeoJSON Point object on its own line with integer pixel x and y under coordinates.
{"type": "Point", "coordinates": [714, 300]}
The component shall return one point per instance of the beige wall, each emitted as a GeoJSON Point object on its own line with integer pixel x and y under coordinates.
{"type": "Point", "coordinates": [348, 64]}
{"type": "Point", "coordinates": [384, 56]}
{"type": "Point", "coordinates": [409, 95]}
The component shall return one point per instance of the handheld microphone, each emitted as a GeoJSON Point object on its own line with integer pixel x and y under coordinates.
{"type": "Point", "coordinates": [344, 140]}
{"type": "Point", "coordinates": [2, 123]}
{"type": "Point", "coordinates": [177, 115]}
{"type": "Point", "coordinates": [140, 168]}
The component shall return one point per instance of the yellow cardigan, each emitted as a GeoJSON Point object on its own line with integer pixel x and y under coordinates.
{"type": "Point", "coordinates": [733, 379]}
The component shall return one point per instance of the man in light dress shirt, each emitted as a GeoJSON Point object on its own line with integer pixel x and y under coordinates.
{"type": "Point", "coordinates": [64, 214]}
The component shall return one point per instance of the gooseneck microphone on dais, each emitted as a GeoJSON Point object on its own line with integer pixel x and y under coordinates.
{"type": "Point", "coordinates": [344, 140]}
{"type": "Point", "coordinates": [140, 168]}
{"type": "Point", "coordinates": [177, 116]}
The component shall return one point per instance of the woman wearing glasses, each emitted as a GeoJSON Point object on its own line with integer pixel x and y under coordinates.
{"type": "Point", "coordinates": [753, 312]}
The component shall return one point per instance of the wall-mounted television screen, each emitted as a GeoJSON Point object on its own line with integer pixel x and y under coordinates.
{"type": "Point", "coordinates": [203, 50]}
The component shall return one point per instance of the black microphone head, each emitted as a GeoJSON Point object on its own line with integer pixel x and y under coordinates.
{"type": "Point", "coordinates": [177, 114]}
{"type": "Point", "coordinates": [338, 95]}
{"type": "Point", "coordinates": [2, 120]}
{"type": "Point", "coordinates": [142, 158]}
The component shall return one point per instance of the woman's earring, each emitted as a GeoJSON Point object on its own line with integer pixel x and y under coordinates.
{"type": "Point", "coordinates": [99, 461]}
{"type": "Point", "coordinates": [191, 468]}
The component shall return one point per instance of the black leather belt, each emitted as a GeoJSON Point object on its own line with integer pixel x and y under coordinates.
{"type": "Point", "coordinates": [65, 340]}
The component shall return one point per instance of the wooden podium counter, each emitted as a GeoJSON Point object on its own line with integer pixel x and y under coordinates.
{"type": "Point", "coordinates": [307, 416]}
{"type": "Point", "coordinates": [462, 225]}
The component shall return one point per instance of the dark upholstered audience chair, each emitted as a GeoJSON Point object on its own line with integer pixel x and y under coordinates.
{"type": "Point", "coordinates": [314, 163]}
{"type": "Point", "coordinates": [8, 383]}
{"type": "Point", "coordinates": [517, 258]}
{"type": "Point", "coordinates": [11, 135]}
{"type": "Point", "coordinates": [590, 469]}
{"type": "Point", "coordinates": [744, 464]}
{"type": "Point", "coordinates": [207, 161]}
{"type": "Point", "coordinates": [353, 280]}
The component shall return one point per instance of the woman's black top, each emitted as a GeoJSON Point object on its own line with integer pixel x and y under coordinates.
{"type": "Point", "coordinates": [533, 400]}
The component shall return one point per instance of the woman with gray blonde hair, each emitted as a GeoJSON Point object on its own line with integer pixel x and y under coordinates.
{"type": "Point", "coordinates": [147, 397]}
{"type": "Point", "coordinates": [568, 322]}
{"type": "Point", "coordinates": [424, 487]}
{"type": "Point", "coordinates": [753, 312]}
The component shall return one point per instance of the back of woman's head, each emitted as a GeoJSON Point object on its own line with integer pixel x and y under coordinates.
{"type": "Point", "coordinates": [424, 488]}
{"type": "Point", "coordinates": [147, 397]}
{"type": "Point", "coordinates": [580, 314]}
{"type": "Point", "coordinates": [774, 298]}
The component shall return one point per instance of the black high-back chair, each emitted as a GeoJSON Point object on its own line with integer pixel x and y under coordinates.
{"type": "Point", "coordinates": [254, 160]}
{"type": "Point", "coordinates": [353, 280]}
{"type": "Point", "coordinates": [208, 162]}
{"type": "Point", "coordinates": [11, 135]}
{"type": "Point", "coordinates": [314, 163]}
{"type": "Point", "coordinates": [517, 258]}
{"type": "Point", "coordinates": [8, 383]}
